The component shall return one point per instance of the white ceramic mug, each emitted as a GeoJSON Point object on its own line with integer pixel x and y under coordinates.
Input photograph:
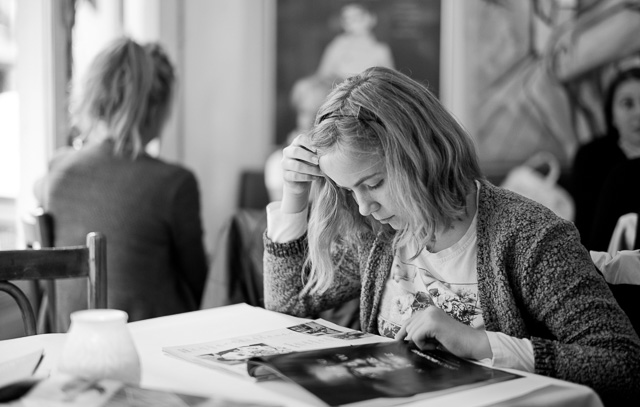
{"type": "Point", "coordinates": [99, 346]}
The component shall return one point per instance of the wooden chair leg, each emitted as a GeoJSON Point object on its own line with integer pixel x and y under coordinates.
{"type": "Point", "coordinates": [46, 321]}
{"type": "Point", "coordinates": [28, 319]}
{"type": "Point", "coordinates": [43, 315]}
{"type": "Point", "coordinates": [52, 306]}
{"type": "Point", "coordinates": [37, 293]}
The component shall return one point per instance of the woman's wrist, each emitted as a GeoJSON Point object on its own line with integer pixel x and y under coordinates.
{"type": "Point", "coordinates": [294, 203]}
{"type": "Point", "coordinates": [481, 346]}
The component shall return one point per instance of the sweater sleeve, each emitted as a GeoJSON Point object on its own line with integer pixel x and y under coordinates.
{"type": "Point", "coordinates": [284, 278]}
{"type": "Point", "coordinates": [590, 340]}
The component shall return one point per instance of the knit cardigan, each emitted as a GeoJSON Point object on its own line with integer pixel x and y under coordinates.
{"type": "Point", "coordinates": [535, 281]}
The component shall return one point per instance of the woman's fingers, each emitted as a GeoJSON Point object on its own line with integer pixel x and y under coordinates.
{"type": "Point", "coordinates": [299, 153]}
{"type": "Point", "coordinates": [421, 328]}
{"type": "Point", "coordinates": [302, 153]}
{"type": "Point", "coordinates": [424, 343]}
{"type": "Point", "coordinates": [300, 166]}
{"type": "Point", "coordinates": [299, 169]}
{"type": "Point", "coordinates": [414, 327]}
{"type": "Point", "coordinates": [300, 162]}
{"type": "Point", "coordinates": [432, 328]}
{"type": "Point", "coordinates": [402, 333]}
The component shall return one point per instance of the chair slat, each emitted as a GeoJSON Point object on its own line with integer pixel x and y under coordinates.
{"type": "Point", "coordinates": [49, 263]}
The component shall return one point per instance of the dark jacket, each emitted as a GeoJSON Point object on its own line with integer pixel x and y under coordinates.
{"type": "Point", "coordinates": [149, 212]}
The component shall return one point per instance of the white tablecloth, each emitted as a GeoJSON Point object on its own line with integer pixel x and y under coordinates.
{"type": "Point", "coordinates": [160, 371]}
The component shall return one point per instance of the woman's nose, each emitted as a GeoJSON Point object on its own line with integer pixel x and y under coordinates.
{"type": "Point", "coordinates": [366, 205]}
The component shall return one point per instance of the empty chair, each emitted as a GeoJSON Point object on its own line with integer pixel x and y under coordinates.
{"type": "Point", "coordinates": [253, 190]}
{"type": "Point", "coordinates": [235, 275]}
{"type": "Point", "coordinates": [87, 261]}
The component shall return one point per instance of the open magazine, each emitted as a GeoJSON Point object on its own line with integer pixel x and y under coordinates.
{"type": "Point", "coordinates": [382, 373]}
{"type": "Point", "coordinates": [340, 365]}
{"type": "Point", "coordinates": [232, 354]}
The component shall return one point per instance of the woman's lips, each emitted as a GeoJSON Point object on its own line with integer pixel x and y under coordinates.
{"type": "Point", "coordinates": [385, 220]}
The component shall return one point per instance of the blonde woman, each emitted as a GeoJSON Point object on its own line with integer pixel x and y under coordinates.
{"type": "Point", "coordinates": [148, 209]}
{"type": "Point", "coordinates": [401, 208]}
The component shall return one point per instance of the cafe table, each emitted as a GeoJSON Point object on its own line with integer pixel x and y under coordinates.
{"type": "Point", "coordinates": [163, 372]}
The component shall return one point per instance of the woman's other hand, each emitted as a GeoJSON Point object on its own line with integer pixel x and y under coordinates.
{"type": "Point", "coordinates": [300, 168]}
{"type": "Point", "coordinates": [432, 326]}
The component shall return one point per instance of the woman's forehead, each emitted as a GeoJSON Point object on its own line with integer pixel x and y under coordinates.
{"type": "Point", "coordinates": [346, 167]}
{"type": "Point", "coordinates": [629, 87]}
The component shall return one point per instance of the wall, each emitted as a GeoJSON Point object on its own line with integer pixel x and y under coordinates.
{"type": "Point", "coordinates": [453, 83]}
{"type": "Point", "coordinates": [223, 121]}
{"type": "Point", "coordinates": [228, 80]}
{"type": "Point", "coordinates": [35, 82]}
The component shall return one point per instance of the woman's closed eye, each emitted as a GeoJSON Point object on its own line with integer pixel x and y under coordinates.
{"type": "Point", "coordinates": [626, 103]}
{"type": "Point", "coordinates": [369, 187]}
{"type": "Point", "coordinates": [376, 185]}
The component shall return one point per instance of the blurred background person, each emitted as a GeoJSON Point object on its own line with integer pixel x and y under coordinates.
{"type": "Point", "coordinates": [148, 209]}
{"type": "Point", "coordinates": [307, 95]}
{"type": "Point", "coordinates": [595, 161]}
{"type": "Point", "coordinates": [357, 47]}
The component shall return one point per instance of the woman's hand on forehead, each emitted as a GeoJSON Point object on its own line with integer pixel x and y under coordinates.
{"type": "Point", "coordinates": [300, 168]}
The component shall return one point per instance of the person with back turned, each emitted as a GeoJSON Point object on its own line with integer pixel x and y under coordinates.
{"type": "Point", "coordinates": [148, 209]}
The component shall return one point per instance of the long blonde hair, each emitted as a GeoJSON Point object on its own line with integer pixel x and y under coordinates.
{"type": "Point", "coordinates": [431, 164]}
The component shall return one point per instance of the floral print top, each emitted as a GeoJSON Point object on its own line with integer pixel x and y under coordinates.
{"type": "Point", "coordinates": [447, 279]}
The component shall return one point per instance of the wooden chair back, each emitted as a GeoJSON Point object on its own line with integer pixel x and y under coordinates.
{"type": "Point", "coordinates": [87, 261]}
{"type": "Point", "coordinates": [253, 192]}
{"type": "Point", "coordinates": [38, 233]}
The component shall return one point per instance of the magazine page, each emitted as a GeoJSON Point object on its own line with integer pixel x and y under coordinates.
{"type": "Point", "coordinates": [231, 354]}
{"type": "Point", "coordinates": [67, 391]}
{"type": "Point", "coordinates": [384, 373]}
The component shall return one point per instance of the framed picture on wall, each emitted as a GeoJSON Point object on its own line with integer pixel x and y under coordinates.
{"type": "Point", "coordinates": [337, 38]}
{"type": "Point", "coordinates": [537, 72]}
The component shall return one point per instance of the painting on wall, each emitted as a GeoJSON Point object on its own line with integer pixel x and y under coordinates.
{"type": "Point", "coordinates": [539, 70]}
{"type": "Point", "coordinates": [333, 39]}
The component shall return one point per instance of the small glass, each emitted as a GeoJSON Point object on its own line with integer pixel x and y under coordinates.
{"type": "Point", "coordinates": [99, 346]}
